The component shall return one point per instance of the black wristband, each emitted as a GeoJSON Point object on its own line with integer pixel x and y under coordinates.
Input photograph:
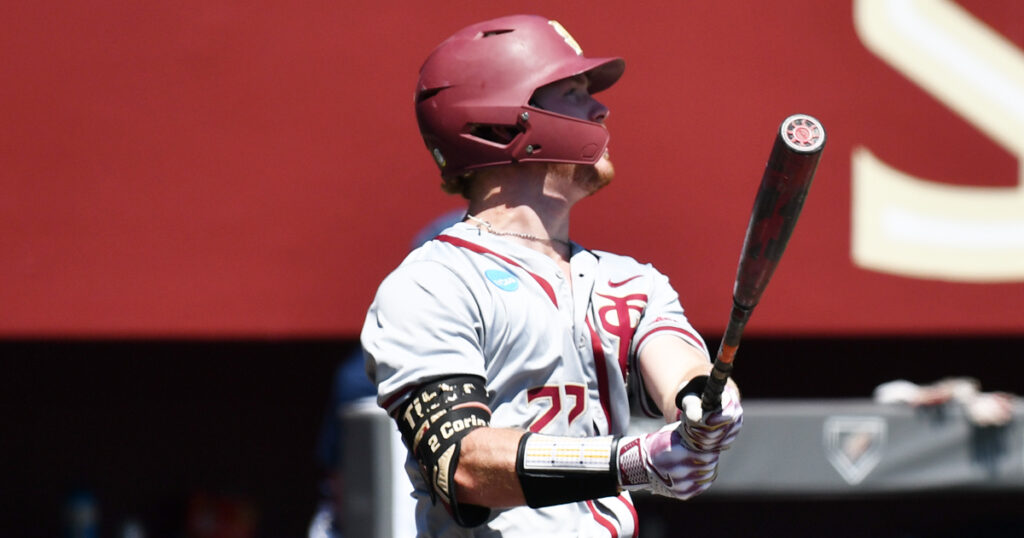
{"type": "Point", "coordinates": [557, 470]}
{"type": "Point", "coordinates": [694, 386]}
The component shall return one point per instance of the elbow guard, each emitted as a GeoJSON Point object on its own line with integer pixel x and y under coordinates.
{"type": "Point", "coordinates": [433, 422]}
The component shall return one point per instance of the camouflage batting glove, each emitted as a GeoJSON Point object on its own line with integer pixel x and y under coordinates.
{"type": "Point", "coordinates": [662, 463]}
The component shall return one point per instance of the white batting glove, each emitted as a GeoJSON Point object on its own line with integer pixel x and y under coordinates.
{"type": "Point", "coordinates": [711, 432]}
{"type": "Point", "coordinates": [661, 463]}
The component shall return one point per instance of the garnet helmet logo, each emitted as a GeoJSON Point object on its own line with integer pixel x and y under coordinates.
{"type": "Point", "coordinates": [567, 37]}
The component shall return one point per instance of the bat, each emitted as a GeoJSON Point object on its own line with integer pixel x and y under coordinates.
{"type": "Point", "coordinates": [787, 179]}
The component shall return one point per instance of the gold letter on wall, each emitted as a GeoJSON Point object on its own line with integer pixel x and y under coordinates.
{"type": "Point", "coordinates": [915, 227]}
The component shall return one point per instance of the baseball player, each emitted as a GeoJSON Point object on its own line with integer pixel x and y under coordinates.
{"type": "Point", "coordinates": [509, 354]}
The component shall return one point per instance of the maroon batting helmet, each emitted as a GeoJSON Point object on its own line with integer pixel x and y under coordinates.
{"type": "Point", "coordinates": [473, 96]}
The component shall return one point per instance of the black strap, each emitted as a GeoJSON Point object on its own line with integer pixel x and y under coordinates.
{"type": "Point", "coordinates": [433, 422]}
{"type": "Point", "coordinates": [548, 487]}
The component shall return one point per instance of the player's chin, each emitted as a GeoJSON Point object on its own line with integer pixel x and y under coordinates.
{"type": "Point", "coordinates": [598, 175]}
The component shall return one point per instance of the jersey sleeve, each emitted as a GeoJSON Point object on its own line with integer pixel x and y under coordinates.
{"type": "Point", "coordinates": [423, 324]}
{"type": "Point", "coordinates": [663, 315]}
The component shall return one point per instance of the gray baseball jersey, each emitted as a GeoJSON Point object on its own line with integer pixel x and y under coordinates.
{"type": "Point", "coordinates": [556, 360]}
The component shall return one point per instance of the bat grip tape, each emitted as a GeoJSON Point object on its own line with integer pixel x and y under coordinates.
{"type": "Point", "coordinates": [711, 399]}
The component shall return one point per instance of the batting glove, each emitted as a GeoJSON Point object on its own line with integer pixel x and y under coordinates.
{"type": "Point", "coordinates": [662, 463]}
{"type": "Point", "coordinates": [715, 431]}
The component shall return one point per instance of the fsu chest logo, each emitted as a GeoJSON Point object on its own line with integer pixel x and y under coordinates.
{"type": "Point", "coordinates": [618, 306]}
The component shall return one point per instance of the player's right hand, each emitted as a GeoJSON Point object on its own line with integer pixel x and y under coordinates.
{"type": "Point", "coordinates": [662, 463]}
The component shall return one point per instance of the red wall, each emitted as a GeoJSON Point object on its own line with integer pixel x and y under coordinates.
{"type": "Point", "coordinates": [225, 169]}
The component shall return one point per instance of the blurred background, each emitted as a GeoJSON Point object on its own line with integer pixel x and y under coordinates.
{"type": "Point", "coordinates": [198, 200]}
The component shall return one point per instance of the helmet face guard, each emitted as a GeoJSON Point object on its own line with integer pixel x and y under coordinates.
{"type": "Point", "coordinates": [473, 96]}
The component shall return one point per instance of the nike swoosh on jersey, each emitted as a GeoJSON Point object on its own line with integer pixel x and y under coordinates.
{"type": "Point", "coordinates": [622, 283]}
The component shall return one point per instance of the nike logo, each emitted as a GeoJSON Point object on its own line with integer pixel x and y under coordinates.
{"type": "Point", "coordinates": [623, 283]}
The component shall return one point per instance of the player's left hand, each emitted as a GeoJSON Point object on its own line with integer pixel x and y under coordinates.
{"type": "Point", "coordinates": [715, 431]}
{"type": "Point", "coordinates": [660, 462]}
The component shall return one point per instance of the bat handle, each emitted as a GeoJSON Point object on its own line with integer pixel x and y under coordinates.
{"type": "Point", "coordinates": [711, 399]}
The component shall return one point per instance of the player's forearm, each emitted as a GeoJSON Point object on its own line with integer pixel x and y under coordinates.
{"type": "Point", "coordinates": [486, 475]}
{"type": "Point", "coordinates": [666, 363]}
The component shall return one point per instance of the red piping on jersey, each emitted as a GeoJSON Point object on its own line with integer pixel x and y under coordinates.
{"type": "Point", "coordinates": [602, 374]}
{"type": "Point", "coordinates": [692, 337]}
{"type": "Point", "coordinates": [603, 521]}
{"type": "Point", "coordinates": [483, 250]}
{"type": "Point", "coordinates": [632, 510]}
{"type": "Point", "coordinates": [395, 397]}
